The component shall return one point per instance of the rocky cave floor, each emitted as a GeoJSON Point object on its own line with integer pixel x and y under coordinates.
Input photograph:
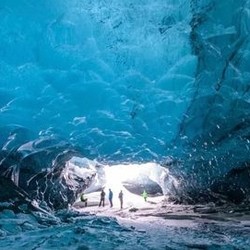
{"type": "Point", "coordinates": [155, 224]}
{"type": "Point", "coordinates": [170, 226]}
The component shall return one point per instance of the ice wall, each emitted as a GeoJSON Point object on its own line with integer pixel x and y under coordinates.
{"type": "Point", "coordinates": [129, 80]}
{"type": "Point", "coordinates": [214, 132]}
{"type": "Point", "coordinates": [110, 76]}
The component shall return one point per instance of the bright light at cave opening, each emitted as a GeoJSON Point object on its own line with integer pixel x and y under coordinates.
{"type": "Point", "coordinates": [130, 178]}
{"type": "Point", "coordinates": [117, 175]}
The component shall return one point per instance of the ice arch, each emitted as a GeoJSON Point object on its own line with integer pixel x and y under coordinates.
{"type": "Point", "coordinates": [120, 86]}
{"type": "Point", "coordinates": [149, 176]}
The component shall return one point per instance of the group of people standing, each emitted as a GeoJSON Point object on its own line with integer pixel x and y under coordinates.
{"type": "Point", "coordinates": [110, 197]}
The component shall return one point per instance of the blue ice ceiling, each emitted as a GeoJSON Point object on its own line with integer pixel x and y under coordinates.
{"type": "Point", "coordinates": [130, 80]}
{"type": "Point", "coordinates": [112, 76]}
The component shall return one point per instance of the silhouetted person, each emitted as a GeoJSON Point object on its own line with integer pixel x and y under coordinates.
{"type": "Point", "coordinates": [110, 198]}
{"type": "Point", "coordinates": [83, 199]}
{"type": "Point", "coordinates": [102, 198]}
{"type": "Point", "coordinates": [121, 198]}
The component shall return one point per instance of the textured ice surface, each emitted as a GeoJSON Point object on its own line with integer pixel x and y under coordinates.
{"type": "Point", "coordinates": [127, 81]}
{"type": "Point", "coordinates": [152, 227]}
{"type": "Point", "coordinates": [99, 74]}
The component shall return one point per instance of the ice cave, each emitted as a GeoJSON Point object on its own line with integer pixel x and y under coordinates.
{"type": "Point", "coordinates": [136, 96]}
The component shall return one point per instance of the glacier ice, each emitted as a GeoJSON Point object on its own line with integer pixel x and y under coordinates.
{"type": "Point", "coordinates": [124, 95]}
{"type": "Point", "coordinates": [151, 176]}
{"type": "Point", "coordinates": [101, 80]}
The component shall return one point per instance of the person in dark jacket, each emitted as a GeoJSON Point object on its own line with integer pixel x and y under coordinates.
{"type": "Point", "coordinates": [84, 199]}
{"type": "Point", "coordinates": [102, 198]}
{"type": "Point", "coordinates": [111, 198]}
{"type": "Point", "coordinates": [121, 198]}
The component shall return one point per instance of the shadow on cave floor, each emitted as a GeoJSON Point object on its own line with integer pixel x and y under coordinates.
{"type": "Point", "coordinates": [159, 208]}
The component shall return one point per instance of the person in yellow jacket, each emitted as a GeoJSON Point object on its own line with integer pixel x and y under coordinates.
{"type": "Point", "coordinates": [145, 195]}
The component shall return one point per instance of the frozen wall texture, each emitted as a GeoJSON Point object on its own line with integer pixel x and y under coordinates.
{"type": "Point", "coordinates": [215, 130]}
{"type": "Point", "coordinates": [130, 81]}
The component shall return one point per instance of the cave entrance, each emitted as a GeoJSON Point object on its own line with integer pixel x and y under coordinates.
{"type": "Point", "coordinates": [135, 178]}
{"type": "Point", "coordinates": [132, 179]}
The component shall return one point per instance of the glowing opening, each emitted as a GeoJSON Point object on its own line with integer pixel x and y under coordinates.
{"type": "Point", "coordinates": [138, 177]}
{"type": "Point", "coordinates": [130, 178]}
{"type": "Point", "coordinates": [137, 174]}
